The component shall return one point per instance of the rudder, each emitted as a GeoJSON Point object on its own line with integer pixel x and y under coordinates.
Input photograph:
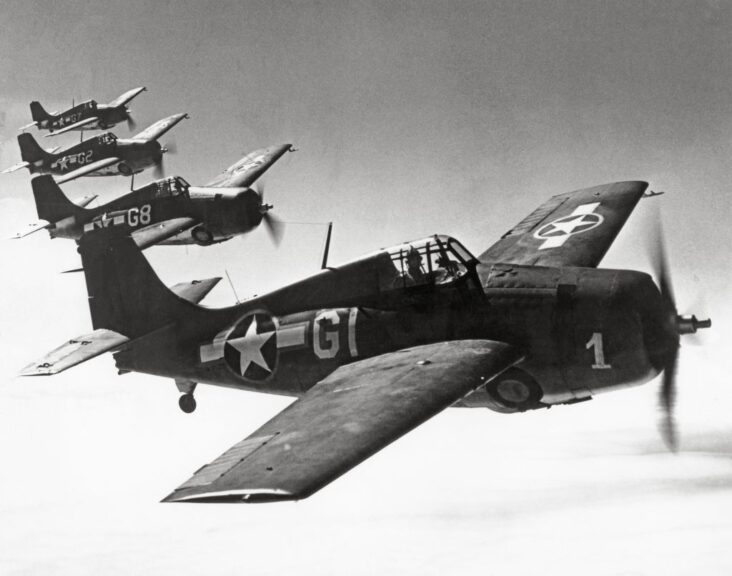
{"type": "Point", "coordinates": [125, 294]}
{"type": "Point", "coordinates": [30, 150]}
{"type": "Point", "coordinates": [51, 203]}
{"type": "Point", "coordinates": [38, 113]}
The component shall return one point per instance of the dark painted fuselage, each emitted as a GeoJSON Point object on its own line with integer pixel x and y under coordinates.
{"type": "Point", "coordinates": [134, 156]}
{"type": "Point", "coordinates": [583, 330]}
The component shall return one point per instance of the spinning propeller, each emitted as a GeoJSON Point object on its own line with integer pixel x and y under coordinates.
{"type": "Point", "coordinates": [675, 325]}
{"type": "Point", "coordinates": [275, 226]}
{"type": "Point", "coordinates": [159, 170]}
{"type": "Point", "coordinates": [131, 124]}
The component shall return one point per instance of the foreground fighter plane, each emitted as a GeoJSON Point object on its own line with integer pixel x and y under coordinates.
{"type": "Point", "coordinates": [374, 347]}
{"type": "Point", "coordinates": [103, 155]}
{"type": "Point", "coordinates": [84, 116]}
{"type": "Point", "coordinates": [167, 211]}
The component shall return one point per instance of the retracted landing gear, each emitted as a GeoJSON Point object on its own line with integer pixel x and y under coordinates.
{"type": "Point", "coordinates": [186, 402]}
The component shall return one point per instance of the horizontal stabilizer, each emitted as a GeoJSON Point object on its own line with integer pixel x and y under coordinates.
{"type": "Point", "coordinates": [160, 127]}
{"type": "Point", "coordinates": [88, 169]}
{"type": "Point", "coordinates": [75, 352]}
{"type": "Point", "coordinates": [85, 201]}
{"type": "Point", "coordinates": [76, 126]}
{"type": "Point", "coordinates": [15, 167]}
{"type": "Point", "coordinates": [31, 228]}
{"type": "Point", "coordinates": [126, 97]}
{"type": "Point", "coordinates": [195, 290]}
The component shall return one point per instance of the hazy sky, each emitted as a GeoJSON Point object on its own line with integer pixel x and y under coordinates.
{"type": "Point", "coordinates": [412, 118]}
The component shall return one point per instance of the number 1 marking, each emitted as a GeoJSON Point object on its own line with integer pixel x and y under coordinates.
{"type": "Point", "coordinates": [596, 342]}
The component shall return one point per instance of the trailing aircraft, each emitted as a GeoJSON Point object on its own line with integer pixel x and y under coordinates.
{"type": "Point", "coordinates": [167, 211]}
{"type": "Point", "coordinates": [376, 346]}
{"type": "Point", "coordinates": [86, 115]}
{"type": "Point", "coordinates": [103, 155]}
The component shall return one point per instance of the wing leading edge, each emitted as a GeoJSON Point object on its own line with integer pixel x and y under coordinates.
{"type": "Point", "coordinates": [572, 229]}
{"type": "Point", "coordinates": [347, 417]}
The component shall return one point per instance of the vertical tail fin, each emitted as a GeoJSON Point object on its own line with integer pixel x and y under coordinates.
{"type": "Point", "coordinates": [30, 151]}
{"type": "Point", "coordinates": [38, 113]}
{"type": "Point", "coordinates": [125, 294]}
{"type": "Point", "coordinates": [51, 203]}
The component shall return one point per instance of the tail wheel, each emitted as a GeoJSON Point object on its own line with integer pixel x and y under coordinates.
{"type": "Point", "coordinates": [124, 169]}
{"type": "Point", "coordinates": [202, 236]}
{"type": "Point", "coordinates": [515, 389]}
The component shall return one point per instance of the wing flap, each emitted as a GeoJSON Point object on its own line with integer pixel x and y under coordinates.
{"type": "Point", "coordinates": [146, 237]}
{"type": "Point", "coordinates": [126, 97]}
{"type": "Point", "coordinates": [75, 352]}
{"type": "Point", "coordinates": [88, 169]}
{"type": "Point", "coordinates": [350, 415]}
{"type": "Point", "coordinates": [156, 130]}
{"type": "Point", "coordinates": [75, 126]}
{"type": "Point", "coordinates": [244, 172]}
{"type": "Point", "coordinates": [572, 229]}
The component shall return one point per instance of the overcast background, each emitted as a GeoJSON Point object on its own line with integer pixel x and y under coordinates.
{"type": "Point", "coordinates": [412, 118]}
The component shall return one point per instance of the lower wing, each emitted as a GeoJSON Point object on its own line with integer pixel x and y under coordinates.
{"type": "Point", "coordinates": [146, 237]}
{"type": "Point", "coordinates": [347, 417]}
{"type": "Point", "coordinates": [88, 169]}
{"type": "Point", "coordinates": [76, 126]}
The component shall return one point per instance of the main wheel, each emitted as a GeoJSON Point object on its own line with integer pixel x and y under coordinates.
{"type": "Point", "coordinates": [202, 236]}
{"type": "Point", "coordinates": [187, 403]}
{"type": "Point", "coordinates": [124, 169]}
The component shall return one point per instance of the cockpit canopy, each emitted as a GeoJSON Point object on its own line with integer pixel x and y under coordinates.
{"type": "Point", "coordinates": [169, 187]}
{"type": "Point", "coordinates": [106, 138]}
{"type": "Point", "coordinates": [437, 259]}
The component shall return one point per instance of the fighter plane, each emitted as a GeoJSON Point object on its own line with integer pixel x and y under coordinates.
{"type": "Point", "coordinates": [103, 155]}
{"type": "Point", "coordinates": [376, 346]}
{"type": "Point", "coordinates": [167, 211]}
{"type": "Point", "coordinates": [84, 116]}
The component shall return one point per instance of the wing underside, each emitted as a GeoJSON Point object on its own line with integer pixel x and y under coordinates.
{"type": "Point", "coordinates": [572, 229]}
{"type": "Point", "coordinates": [76, 126]}
{"type": "Point", "coordinates": [157, 233]}
{"type": "Point", "coordinates": [88, 169]}
{"type": "Point", "coordinates": [350, 415]}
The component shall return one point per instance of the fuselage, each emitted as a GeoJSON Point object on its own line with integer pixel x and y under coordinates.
{"type": "Point", "coordinates": [583, 330]}
{"type": "Point", "coordinates": [107, 117]}
{"type": "Point", "coordinates": [133, 156]}
{"type": "Point", "coordinates": [222, 212]}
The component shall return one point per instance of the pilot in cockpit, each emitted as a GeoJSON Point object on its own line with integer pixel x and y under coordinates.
{"type": "Point", "coordinates": [414, 267]}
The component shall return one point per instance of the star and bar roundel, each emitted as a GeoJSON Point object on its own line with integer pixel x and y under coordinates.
{"type": "Point", "coordinates": [251, 347]}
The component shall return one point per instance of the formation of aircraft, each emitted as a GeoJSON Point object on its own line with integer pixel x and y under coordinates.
{"type": "Point", "coordinates": [169, 210]}
{"type": "Point", "coordinates": [86, 115]}
{"type": "Point", "coordinates": [103, 155]}
{"type": "Point", "coordinates": [374, 347]}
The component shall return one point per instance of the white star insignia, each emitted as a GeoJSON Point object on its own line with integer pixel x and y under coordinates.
{"type": "Point", "coordinates": [250, 347]}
